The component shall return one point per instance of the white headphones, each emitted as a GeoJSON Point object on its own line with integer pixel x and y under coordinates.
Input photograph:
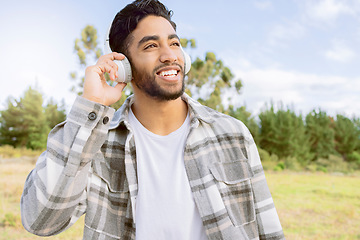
{"type": "Point", "coordinates": [124, 67]}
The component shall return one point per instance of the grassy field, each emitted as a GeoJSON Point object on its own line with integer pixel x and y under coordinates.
{"type": "Point", "coordinates": [310, 205]}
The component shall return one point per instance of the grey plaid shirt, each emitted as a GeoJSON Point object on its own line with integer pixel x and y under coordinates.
{"type": "Point", "coordinates": [90, 167]}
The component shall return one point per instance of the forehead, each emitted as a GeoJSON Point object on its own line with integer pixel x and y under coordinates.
{"type": "Point", "coordinates": [152, 26]}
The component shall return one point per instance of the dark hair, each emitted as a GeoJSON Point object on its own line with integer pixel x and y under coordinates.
{"type": "Point", "coordinates": [128, 18]}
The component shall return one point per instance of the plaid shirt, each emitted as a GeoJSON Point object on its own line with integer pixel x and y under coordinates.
{"type": "Point", "coordinates": [90, 167]}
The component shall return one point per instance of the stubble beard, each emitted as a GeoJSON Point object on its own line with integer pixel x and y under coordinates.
{"type": "Point", "coordinates": [147, 83]}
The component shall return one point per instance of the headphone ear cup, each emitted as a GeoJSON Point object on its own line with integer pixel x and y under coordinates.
{"type": "Point", "coordinates": [124, 70]}
{"type": "Point", "coordinates": [187, 61]}
{"type": "Point", "coordinates": [124, 67]}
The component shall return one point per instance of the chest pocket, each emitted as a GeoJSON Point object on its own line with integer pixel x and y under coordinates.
{"type": "Point", "coordinates": [233, 182]}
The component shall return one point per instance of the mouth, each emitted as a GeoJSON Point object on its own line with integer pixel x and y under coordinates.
{"type": "Point", "coordinates": [169, 72]}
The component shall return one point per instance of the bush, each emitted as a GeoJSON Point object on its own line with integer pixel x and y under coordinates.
{"type": "Point", "coordinates": [279, 167]}
{"type": "Point", "coordinates": [312, 167]}
{"type": "Point", "coordinates": [269, 162]}
{"type": "Point", "coordinates": [332, 164]}
{"type": "Point", "coordinates": [354, 157]}
{"type": "Point", "coordinates": [292, 163]}
{"type": "Point", "coordinates": [264, 155]}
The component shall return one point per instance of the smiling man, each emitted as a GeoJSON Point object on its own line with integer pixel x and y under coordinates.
{"type": "Point", "coordinates": [164, 167]}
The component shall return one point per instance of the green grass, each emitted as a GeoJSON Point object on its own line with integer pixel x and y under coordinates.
{"type": "Point", "coordinates": [310, 205]}
{"type": "Point", "coordinates": [317, 205]}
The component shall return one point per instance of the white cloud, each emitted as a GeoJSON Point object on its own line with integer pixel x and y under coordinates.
{"type": "Point", "coordinates": [304, 91]}
{"type": "Point", "coordinates": [340, 52]}
{"type": "Point", "coordinates": [327, 10]}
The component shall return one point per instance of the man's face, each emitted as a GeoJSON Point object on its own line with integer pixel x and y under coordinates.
{"type": "Point", "coordinates": [156, 59]}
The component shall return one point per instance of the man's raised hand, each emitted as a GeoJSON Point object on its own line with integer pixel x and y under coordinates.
{"type": "Point", "coordinates": [96, 88]}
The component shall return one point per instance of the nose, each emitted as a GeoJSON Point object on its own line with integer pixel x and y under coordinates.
{"type": "Point", "coordinates": [168, 55]}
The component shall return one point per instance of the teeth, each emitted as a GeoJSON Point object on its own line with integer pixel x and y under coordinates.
{"type": "Point", "coordinates": [168, 73]}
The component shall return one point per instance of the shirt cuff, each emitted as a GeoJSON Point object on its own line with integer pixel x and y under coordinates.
{"type": "Point", "coordinates": [90, 114]}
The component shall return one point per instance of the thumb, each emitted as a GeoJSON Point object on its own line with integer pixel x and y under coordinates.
{"type": "Point", "coordinates": [120, 87]}
{"type": "Point", "coordinates": [116, 91]}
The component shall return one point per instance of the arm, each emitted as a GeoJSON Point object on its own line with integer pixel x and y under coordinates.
{"type": "Point", "coordinates": [266, 216]}
{"type": "Point", "coordinates": [54, 195]}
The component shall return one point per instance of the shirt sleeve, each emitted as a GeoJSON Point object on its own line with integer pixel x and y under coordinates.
{"type": "Point", "coordinates": [54, 195]}
{"type": "Point", "coordinates": [268, 222]}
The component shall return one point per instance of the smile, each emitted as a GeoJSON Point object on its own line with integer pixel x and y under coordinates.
{"type": "Point", "coordinates": [168, 73]}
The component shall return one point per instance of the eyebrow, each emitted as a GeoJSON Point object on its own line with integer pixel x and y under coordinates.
{"type": "Point", "coordinates": [156, 38]}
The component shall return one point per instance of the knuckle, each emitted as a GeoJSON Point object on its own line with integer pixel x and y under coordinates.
{"type": "Point", "coordinates": [89, 68]}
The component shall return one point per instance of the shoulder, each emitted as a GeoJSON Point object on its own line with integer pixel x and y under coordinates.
{"type": "Point", "coordinates": [219, 122]}
{"type": "Point", "coordinates": [228, 123]}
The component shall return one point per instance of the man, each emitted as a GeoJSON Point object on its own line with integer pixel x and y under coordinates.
{"type": "Point", "coordinates": [165, 167]}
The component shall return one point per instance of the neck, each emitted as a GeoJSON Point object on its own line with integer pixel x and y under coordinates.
{"type": "Point", "coordinates": [159, 117]}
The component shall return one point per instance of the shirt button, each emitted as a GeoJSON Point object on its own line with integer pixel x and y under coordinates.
{"type": "Point", "coordinates": [92, 116]}
{"type": "Point", "coordinates": [106, 120]}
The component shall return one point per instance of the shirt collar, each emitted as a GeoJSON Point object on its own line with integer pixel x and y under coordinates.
{"type": "Point", "coordinates": [197, 112]}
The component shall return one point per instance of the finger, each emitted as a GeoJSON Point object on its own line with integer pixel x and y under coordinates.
{"type": "Point", "coordinates": [105, 67]}
{"type": "Point", "coordinates": [111, 56]}
{"type": "Point", "coordinates": [114, 69]}
{"type": "Point", "coordinates": [117, 56]}
{"type": "Point", "coordinates": [112, 64]}
{"type": "Point", "coordinates": [114, 92]}
{"type": "Point", "coordinates": [120, 86]}
{"type": "Point", "coordinates": [117, 90]}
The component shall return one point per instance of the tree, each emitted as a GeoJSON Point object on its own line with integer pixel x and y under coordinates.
{"type": "Point", "coordinates": [346, 136]}
{"type": "Point", "coordinates": [356, 122]}
{"type": "Point", "coordinates": [243, 115]}
{"type": "Point", "coordinates": [54, 113]}
{"type": "Point", "coordinates": [283, 134]}
{"type": "Point", "coordinates": [26, 123]}
{"type": "Point", "coordinates": [86, 47]}
{"type": "Point", "coordinates": [12, 130]}
{"type": "Point", "coordinates": [23, 124]}
{"type": "Point", "coordinates": [321, 134]}
{"type": "Point", "coordinates": [208, 79]}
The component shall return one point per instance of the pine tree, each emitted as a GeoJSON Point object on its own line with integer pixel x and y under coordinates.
{"type": "Point", "coordinates": [321, 134]}
{"type": "Point", "coordinates": [54, 113]}
{"type": "Point", "coordinates": [243, 115]}
{"type": "Point", "coordinates": [346, 136]}
{"type": "Point", "coordinates": [26, 123]}
{"type": "Point", "coordinates": [23, 124]}
{"type": "Point", "coordinates": [283, 134]}
{"type": "Point", "coordinates": [13, 131]}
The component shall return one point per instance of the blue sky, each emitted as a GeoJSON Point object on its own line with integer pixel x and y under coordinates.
{"type": "Point", "coordinates": [304, 53]}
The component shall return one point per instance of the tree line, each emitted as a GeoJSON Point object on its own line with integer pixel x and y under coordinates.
{"type": "Point", "coordinates": [285, 139]}
{"type": "Point", "coordinates": [316, 141]}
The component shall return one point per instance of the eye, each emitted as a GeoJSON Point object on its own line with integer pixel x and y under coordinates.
{"type": "Point", "coordinates": [148, 46]}
{"type": "Point", "coordinates": [177, 44]}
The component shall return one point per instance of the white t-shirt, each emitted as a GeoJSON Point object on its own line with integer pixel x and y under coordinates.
{"type": "Point", "coordinates": [165, 208]}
